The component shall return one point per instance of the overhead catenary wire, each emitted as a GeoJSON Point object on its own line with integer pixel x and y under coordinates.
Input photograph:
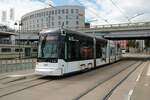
{"type": "Point", "coordinates": [126, 17]}
{"type": "Point", "coordinates": [105, 20]}
{"type": "Point", "coordinates": [47, 3]}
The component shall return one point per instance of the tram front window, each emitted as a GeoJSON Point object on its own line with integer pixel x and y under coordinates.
{"type": "Point", "coordinates": [48, 47]}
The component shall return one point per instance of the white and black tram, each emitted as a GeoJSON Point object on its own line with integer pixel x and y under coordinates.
{"type": "Point", "coordinates": [63, 51]}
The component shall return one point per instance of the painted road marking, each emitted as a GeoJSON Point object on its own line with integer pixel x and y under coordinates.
{"type": "Point", "coordinates": [130, 93]}
{"type": "Point", "coordinates": [138, 77]}
{"type": "Point", "coordinates": [148, 71]}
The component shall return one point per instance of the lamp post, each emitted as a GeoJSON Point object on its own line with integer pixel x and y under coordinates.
{"type": "Point", "coordinates": [94, 44]}
{"type": "Point", "coordinates": [18, 23]}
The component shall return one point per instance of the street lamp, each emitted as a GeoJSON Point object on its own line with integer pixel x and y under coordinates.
{"type": "Point", "coordinates": [94, 43]}
{"type": "Point", "coordinates": [20, 25]}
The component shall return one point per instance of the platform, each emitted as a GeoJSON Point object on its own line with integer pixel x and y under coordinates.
{"type": "Point", "coordinates": [136, 56]}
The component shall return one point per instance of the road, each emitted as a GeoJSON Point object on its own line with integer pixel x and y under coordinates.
{"type": "Point", "coordinates": [97, 84]}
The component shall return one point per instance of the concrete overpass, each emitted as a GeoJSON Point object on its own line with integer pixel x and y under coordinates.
{"type": "Point", "coordinates": [140, 30]}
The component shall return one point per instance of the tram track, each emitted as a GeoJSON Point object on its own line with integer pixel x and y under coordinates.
{"type": "Point", "coordinates": [6, 76]}
{"type": "Point", "coordinates": [22, 86]}
{"type": "Point", "coordinates": [101, 82]}
{"type": "Point", "coordinates": [115, 87]}
{"type": "Point", "coordinates": [77, 86]}
{"type": "Point", "coordinates": [19, 81]}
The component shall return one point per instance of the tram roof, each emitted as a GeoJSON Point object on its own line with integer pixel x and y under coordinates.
{"type": "Point", "coordinates": [73, 32]}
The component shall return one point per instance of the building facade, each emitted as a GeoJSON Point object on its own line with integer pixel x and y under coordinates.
{"type": "Point", "coordinates": [54, 17]}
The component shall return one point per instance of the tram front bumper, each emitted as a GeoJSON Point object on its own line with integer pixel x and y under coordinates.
{"type": "Point", "coordinates": [49, 71]}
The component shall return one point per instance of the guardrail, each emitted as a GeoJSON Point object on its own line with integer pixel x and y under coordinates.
{"type": "Point", "coordinates": [13, 51]}
{"type": "Point", "coordinates": [16, 65]}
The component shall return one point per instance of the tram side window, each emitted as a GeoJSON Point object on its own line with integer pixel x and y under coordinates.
{"type": "Point", "coordinates": [86, 50]}
{"type": "Point", "coordinates": [73, 51]}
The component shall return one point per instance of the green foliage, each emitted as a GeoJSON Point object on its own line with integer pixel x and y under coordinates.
{"type": "Point", "coordinates": [131, 43]}
{"type": "Point", "coordinates": [147, 43]}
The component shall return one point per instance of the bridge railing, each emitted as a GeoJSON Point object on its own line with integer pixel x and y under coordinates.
{"type": "Point", "coordinates": [123, 25]}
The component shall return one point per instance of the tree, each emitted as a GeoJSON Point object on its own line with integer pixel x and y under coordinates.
{"type": "Point", "coordinates": [132, 43]}
{"type": "Point", "coordinates": [147, 43]}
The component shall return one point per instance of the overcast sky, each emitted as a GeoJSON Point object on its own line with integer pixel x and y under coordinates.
{"type": "Point", "coordinates": [104, 11]}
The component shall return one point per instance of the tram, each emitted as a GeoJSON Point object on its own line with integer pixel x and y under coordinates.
{"type": "Point", "coordinates": [63, 51]}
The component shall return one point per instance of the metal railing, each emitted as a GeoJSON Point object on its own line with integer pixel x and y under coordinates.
{"type": "Point", "coordinates": [16, 65]}
{"type": "Point", "coordinates": [9, 42]}
{"type": "Point", "coordinates": [122, 26]}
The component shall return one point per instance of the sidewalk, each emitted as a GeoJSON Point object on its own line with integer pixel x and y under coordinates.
{"type": "Point", "coordinates": [3, 75]}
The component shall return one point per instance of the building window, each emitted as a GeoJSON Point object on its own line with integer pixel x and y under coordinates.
{"type": "Point", "coordinates": [55, 12]}
{"type": "Point", "coordinates": [52, 18]}
{"type": "Point", "coordinates": [77, 11]}
{"type": "Point", "coordinates": [59, 17]}
{"type": "Point", "coordinates": [77, 22]}
{"type": "Point", "coordinates": [5, 49]}
{"type": "Point", "coordinates": [66, 16]}
{"type": "Point", "coordinates": [59, 11]}
{"type": "Point", "coordinates": [63, 11]}
{"type": "Point", "coordinates": [37, 21]}
{"type": "Point", "coordinates": [46, 13]}
{"type": "Point", "coordinates": [42, 20]}
{"type": "Point", "coordinates": [59, 23]}
{"type": "Point", "coordinates": [66, 11]}
{"type": "Point", "coordinates": [49, 12]}
{"type": "Point", "coordinates": [52, 23]}
{"type": "Point", "coordinates": [72, 11]}
{"type": "Point", "coordinates": [77, 17]}
{"type": "Point", "coordinates": [46, 19]}
{"type": "Point", "coordinates": [67, 22]}
{"type": "Point", "coordinates": [40, 14]}
{"type": "Point", "coordinates": [37, 25]}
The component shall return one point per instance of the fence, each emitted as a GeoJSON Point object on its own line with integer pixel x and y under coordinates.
{"type": "Point", "coordinates": [16, 65]}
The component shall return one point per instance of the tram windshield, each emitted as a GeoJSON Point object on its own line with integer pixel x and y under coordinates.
{"type": "Point", "coordinates": [48, 46]}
